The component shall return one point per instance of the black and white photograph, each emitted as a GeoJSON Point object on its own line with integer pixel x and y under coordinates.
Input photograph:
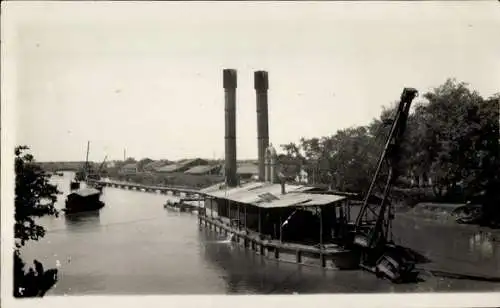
{"type": "Point", "coordinates": [251, 148]}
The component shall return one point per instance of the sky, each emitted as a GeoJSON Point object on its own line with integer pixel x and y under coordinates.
{"type": "Point", "coordinates": [147, 77]}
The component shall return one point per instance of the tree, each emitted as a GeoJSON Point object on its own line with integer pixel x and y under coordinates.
{"type": "Point", "coordinates": [34, 197]}
{"type": "Point", "coordinates": [453, 139]}
{"type": "Point", "coordinates": [142, 163]}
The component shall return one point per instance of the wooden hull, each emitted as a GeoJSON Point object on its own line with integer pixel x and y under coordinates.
{"type": "Point", "coordinates": [74, 185]}
{"type": "Point", "coordinates": [83, 207]}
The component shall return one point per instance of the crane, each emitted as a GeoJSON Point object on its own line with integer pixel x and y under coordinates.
{"type": "Point", "coordinates": [97, 174]}
{"type": "Point", "coordinates": [372, 229]}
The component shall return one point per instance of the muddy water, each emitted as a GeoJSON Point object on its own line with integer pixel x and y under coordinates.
{"type": "Point", "coordinates": [135, 246]}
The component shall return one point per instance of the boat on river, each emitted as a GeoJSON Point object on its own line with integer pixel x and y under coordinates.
{"type": "Point", "coordinates": [74, 185]}
{"type": "Point", "coordinates": [84, 200]}
{"type": "Point", "coordinates": [468, 214]}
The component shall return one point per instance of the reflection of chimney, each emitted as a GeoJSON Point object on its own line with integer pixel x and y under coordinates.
{"type": "Point", "coordinates": [230, 84]}
{"type": "Point", "coordinates": [261, 85]}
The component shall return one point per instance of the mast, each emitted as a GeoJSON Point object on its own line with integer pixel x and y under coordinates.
{"type": "Point", "coordinates": [87, 160]}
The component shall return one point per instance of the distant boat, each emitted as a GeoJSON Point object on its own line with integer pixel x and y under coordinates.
{"type": "Point", "coordinates": [58, 173]}
{"type": "Point", "coordinates": [468, 214]}
{"type": "Point", "coordinates": [84, 200]}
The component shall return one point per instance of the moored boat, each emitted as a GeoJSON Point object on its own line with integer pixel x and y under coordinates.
{"type": "Point", "coordinates": [468, 214]}
{"type": "Point", "coordinates": [84, 200]}
{"type": "Point", "coordinates": [74, 185]}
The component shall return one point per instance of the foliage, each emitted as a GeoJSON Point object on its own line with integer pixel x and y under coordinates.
{"type": "Point", "coordinates": [34, 197]}
{"type": "Point", "coordinates": [451, 144]}
{"type": "Point", "coordinates": [142, 163]}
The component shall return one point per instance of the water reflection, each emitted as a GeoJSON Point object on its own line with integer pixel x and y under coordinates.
{"type": "Point", "coordinates": [79, 221]}
{"type": "Point", "coordinates": [148, 250]}
{"type": "Point", "coordinates": [483, 243]}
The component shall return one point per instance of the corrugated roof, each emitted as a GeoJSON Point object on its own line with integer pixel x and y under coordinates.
{"type": "Point", "coordinates": [169, 168]}
{"type": "Point", "coordinates": [85, 192]}
{"type": "Point", "coordinates": [320, 199]}
{"type": "Point", "coordinates": [201, 169]}
{"type": "Point", "coordinates": [268, 195]}
{"type": "Point", "coordinates": [155, 164]}
{"type": "Point", "coordinates": [287, 200]}
{"type": "Point", "coordinates": [179, 165]}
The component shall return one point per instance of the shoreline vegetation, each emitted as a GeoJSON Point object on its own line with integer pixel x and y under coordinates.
{"type": "Point", "coordinates": [450, 154]}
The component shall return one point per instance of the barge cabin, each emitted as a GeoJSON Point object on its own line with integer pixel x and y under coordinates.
{"type": "Point", "coordinates": [285, 219]}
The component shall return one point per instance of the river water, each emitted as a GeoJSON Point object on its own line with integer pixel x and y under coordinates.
{"type": "Point", "coordinates": [136, 247]}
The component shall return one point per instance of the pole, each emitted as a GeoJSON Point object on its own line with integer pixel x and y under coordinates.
{"type": "Point", "coordinates": [229, 212]}
{"type": "Point", "coordinates": [87, 160]}
{"type": "Point", "coordinates": [245, 210]}
{"type": "Point", "coordinates": [260, 231]}
{"type": "Point", "coordinates": [320, 228]}
{"type": "Point", "coordinates": [281, 229]}
{"type": "Point", "coordinates": [239, 216]}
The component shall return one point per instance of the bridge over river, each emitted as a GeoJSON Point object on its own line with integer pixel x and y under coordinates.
{"type": "Point", "coordinates": [135, 246]}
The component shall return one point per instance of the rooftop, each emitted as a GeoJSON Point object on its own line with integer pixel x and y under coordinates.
{"type": "Point", "coordinates": [202, 169]}
{"type": "Point", "coordinates": [268, 195]}
{"type": "Point", "coordinates": [85, 192]}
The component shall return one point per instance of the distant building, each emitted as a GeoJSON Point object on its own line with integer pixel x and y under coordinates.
{"type": "Point", "coordinates": [182, 166]}
{"type": "Point", "coordinates": [204, 169]}
{"type": "Point", "coordinates": [154, 165]}
{"type": "Point", "coordinates": [129, 169]}
{"type": "Point", "coordinates": [248, 171]}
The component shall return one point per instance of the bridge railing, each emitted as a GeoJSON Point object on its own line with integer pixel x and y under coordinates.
{"type": "Point", "coordinates": [137, 185]}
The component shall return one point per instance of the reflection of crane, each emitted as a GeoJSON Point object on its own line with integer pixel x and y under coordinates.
{"type": "Point", "coordinates": [373, 223]}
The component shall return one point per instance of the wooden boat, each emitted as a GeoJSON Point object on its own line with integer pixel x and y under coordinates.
{"type": "Point", "coordinates": [74, 185]}
{"type": "Point", "coordinates": [468, 214]}
{"type": "Point", "coordinates": [84, 200]}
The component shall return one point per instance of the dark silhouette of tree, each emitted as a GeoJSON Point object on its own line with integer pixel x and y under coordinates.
{"type": "Point", "coordinates": [34, 197]}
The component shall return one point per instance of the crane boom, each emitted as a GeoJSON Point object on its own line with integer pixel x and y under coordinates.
{"type": "Point", "coordinates": [102, 165]}
{"type": "Point", "coordinates": [373, 223]}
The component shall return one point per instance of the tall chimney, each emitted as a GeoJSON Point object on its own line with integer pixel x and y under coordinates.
{"type": "Point", "coordinates": [261, 82]}
{"type": "Point", "coordinates": [230, 84]}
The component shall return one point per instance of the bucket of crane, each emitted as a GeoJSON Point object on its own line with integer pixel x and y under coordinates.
{"type": "Point", "coordinates": [394, 265]}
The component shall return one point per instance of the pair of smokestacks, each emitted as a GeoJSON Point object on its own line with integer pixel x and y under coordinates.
{"type": "Point", "coordinates": [266, 154]}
